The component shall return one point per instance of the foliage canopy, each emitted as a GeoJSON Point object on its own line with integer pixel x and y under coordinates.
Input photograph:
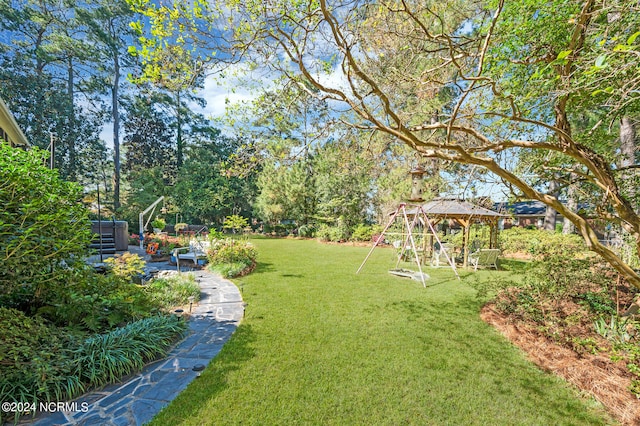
{"type": "Point", "coordinates": [460, 82]}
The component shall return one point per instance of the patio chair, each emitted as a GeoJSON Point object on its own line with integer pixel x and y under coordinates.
{"type": "Point", "coordinates": [440, 253]}
{"type": "Point", "coordinates": [197, 250]}
{"type": "Point", "coordinates": [484, 257]}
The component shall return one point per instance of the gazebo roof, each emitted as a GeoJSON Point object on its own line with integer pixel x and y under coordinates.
{"type": "Point", "coordinates": [452, 208]}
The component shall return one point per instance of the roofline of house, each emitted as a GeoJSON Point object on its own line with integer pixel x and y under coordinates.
{"type": "Point", "coordinates": [17, 136]}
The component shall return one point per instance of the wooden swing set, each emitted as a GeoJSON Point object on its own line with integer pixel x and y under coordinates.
{"type": "Point", "coordinates": [408, 242]}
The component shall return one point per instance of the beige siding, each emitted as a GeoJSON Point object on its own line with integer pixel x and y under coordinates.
{"type": "Point", "coordinates": [9, 130]}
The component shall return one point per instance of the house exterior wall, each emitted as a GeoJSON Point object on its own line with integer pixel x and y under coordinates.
{"type": "Point", "coordinates": [9, 129]}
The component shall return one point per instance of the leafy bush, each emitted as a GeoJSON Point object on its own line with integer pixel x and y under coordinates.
{"type": "Point", "coordinates": [214, 235]}
{"type": "Point", "coordinates": [541, 244]}
{"type": "Point", "coordinates": [332, 233]}
{"type": "Point", "coordinates": [231, 270]}
{"type": "Point", "coordinates": [307, 231]}
{"type": "Point", "coordinates": [173, 291]}
{"type": "Point", "coordinates": [106, 358]}
{"type": "Point", "coordinates": [126, 265]}
{"type": "Point", "coordinates": [97, 303]}
{"type": "Point", "coordinates": [43, 229]}
{"type": "Point", "coordinates": [232, 252]}
{"type": "Point", "coordinates": [36, 363]}
{"type": "Point", "coordinates": [362, 232]}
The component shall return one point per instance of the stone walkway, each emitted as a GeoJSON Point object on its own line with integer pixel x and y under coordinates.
{"type": "Point", "coordinates": [136, 401]}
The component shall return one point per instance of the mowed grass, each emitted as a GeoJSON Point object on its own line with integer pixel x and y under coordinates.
{"type": "Point", "coordinates": [321, 345]}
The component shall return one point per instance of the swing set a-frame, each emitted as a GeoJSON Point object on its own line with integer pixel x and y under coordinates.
{"type": "Point", "coordinates": [409, 242]}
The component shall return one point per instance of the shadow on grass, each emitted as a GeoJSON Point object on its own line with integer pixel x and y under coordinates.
{"type": "Point", "coordinates": [292, 275]}
{"type": "Point", "coordinates": [514, 265]}
{"type": "Point", "coordinates": [410, 309]}
{"type": "Point", "coordinates": [237, 351]}
{"type": "Point", "coordinates": [263, 267]}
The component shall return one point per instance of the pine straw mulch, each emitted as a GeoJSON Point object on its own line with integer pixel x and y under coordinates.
{"type": "Point", "coordinates": [598, 375]}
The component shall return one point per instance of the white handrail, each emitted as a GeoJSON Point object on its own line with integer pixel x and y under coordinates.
{"type": "Point", "coordinates": [141, 219]}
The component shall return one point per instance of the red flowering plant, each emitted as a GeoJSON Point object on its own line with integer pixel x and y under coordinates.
{"type": "Point", "coordinates": [166, 243]}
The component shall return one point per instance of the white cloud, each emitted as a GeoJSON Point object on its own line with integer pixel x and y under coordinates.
{"type": "Point", "coordinates": [107, 134]}
{"type": "Point", "coordinates": [220, 94]}
{"type": "Point", "coordinates": [336, 79]}
{"type": "Point", "coordinates": [236, 84]}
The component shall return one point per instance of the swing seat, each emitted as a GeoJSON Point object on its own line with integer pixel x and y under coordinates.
{"type": "Point", "coordinates": [407, 273]}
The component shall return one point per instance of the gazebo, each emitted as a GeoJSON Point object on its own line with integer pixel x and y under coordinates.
{"type": "Point", "coordinates": [465, 214]}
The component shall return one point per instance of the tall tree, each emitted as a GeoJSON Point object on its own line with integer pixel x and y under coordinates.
{"type": "Point", "coordinates": [148, 141]}
{"type": "Point", "coordinates": [464, 45]}
{"type": "Point", "coordinates": [42, 83]}
{"type": "Point", "coordinates": [110, 36]}
{"type": "Point", "coordinates": [204, 191]}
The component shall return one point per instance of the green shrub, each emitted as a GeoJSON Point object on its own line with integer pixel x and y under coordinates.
{"type": "Point", "coordinates": [35, 362]}
{"type": "Point", "coordinates": [307, 231]}
{"type": "Point", "coordinates": [106, 358]}
{"type": "Point", "coordinates": [126, 265]}
{"type": "Point", "coordinates": [97, 303]}
{"type": "Point", "coordinates": [232, 270]}
{"type": "Point", "coordinates": [541, 244]}
{"type": "Point", "coordinates": [215, 235]}
{"type": "Point", "coordinates": [43, 229]}
{"type": "Point", "coordinates": [232, 258]}
{"type": "Point", "coordinates": [173, 291]}
{"type": "Point", "coordinates": [332, 233]}
{"type": "Point", "coordinates": [559, 290]}
{"type": "Point", "coordinates": [231, 251]}
{"type": "Point", "coordinates": [362, 232]}
{"type": "Point", "coordinates": [280, 230]}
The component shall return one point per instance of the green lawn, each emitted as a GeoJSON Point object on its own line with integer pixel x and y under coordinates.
{"type": "Point", "coordinates": [321, 345]}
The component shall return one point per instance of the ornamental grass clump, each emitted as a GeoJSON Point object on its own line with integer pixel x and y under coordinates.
{"type": "Point", "coordinates": [43, 363]}
{"type": "Point", "coordinates": [105, 358]}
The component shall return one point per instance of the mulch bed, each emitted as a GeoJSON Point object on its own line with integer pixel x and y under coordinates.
{"type": "Point", "coordinates": [597, 375]}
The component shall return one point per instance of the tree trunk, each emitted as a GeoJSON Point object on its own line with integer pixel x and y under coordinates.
{"type": "Point", "coordinates": [116, 131]}
{"type": "Point", "coordinates": [432, 166]}
{"type": "Point", "coordinates": [179, 147]}
{"type": "Point", "coordinates": [627, 159]}
{"type": "Point", "coordinates": [71, 137]}
{"type": "Point", "coordinates": [572, 203]}
{"type": "Point", "coordinates": [627, 142]}
{"type": "Point", "coordinates": [551, 214]}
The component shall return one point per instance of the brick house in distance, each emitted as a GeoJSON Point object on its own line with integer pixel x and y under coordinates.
{"type": "Point", "coordinates": [524, 214]}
